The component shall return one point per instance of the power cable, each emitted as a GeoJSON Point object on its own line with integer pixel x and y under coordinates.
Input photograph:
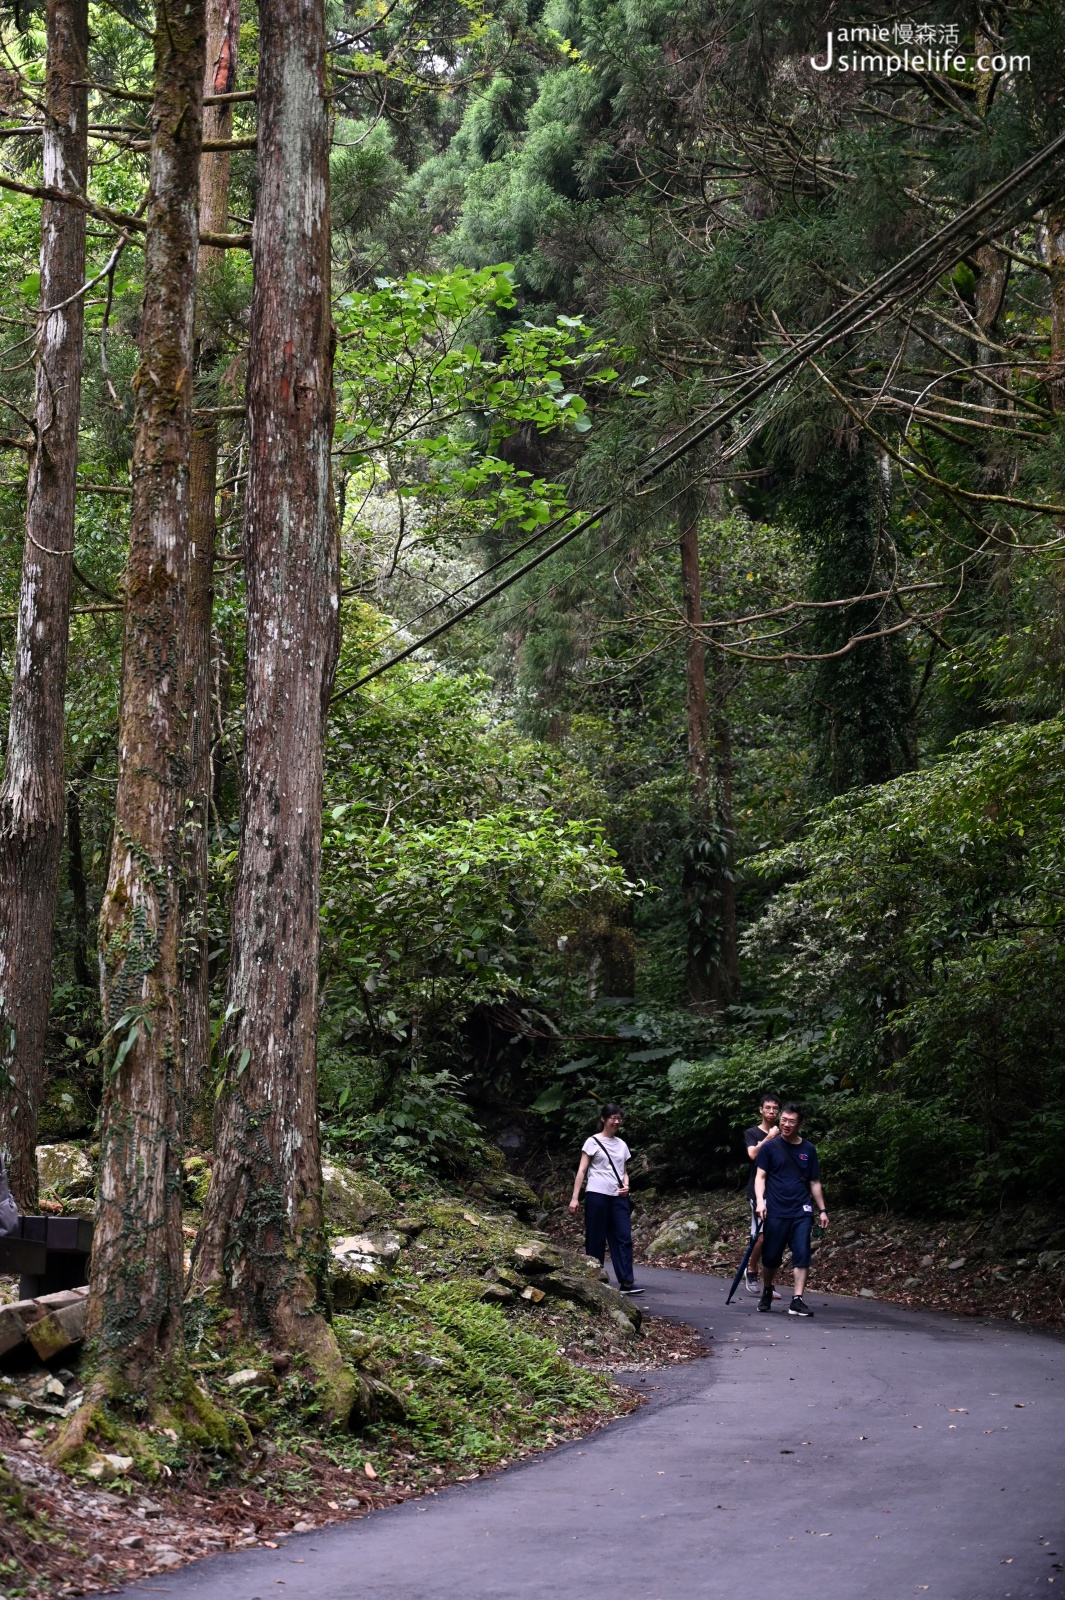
{"type": "Point", "coordinates": [916, 272]}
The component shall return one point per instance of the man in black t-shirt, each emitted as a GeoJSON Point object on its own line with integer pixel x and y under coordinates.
{"type": "Point", "coordinates": [754, 1138]}
{"type": "Point", "coordinates": [787, 1186]}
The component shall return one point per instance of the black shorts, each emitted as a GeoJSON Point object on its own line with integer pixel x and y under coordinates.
{"type": "Point", "coordinates": [781, 1232]}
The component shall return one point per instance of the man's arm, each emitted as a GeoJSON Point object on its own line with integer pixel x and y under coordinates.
{"type": "Point", "coordinates": [759, 1191]}
{"type": "Point", "coordinates": [753, 1149]}
{"type": "Point", "coordinates": [819, 1199]}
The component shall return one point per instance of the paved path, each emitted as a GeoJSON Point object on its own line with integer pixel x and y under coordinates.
{"type": "Point", "coordinates": [872, 1454]}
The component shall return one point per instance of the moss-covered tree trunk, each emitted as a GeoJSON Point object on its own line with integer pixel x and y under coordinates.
{"type": "Point", "coordinates": [709, 878]}
{"type": "Point", "coordinates": [262, 1232]}
{"type": "Point", "coordinates": [1055, 249]}
{"type": "Point", "coordinates": [223, 32]}
{"type": "Point", "coordinates": [134, 1316]}
{"type": "Point", "coordinates": [31, 800]}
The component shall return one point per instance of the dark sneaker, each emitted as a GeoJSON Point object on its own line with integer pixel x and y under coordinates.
{"type": "Point", "coordinates": [753, 1285]}
{"type": "Point", "coordinates": [630, 1288]}
{"type": "Point", "coordinates": [766, 1302]}
{"type": "Point", "coordinates": [799, 1308]}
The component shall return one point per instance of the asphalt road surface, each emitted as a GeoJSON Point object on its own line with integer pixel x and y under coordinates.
{"type": "Point", "coordinates": [871, 1454]}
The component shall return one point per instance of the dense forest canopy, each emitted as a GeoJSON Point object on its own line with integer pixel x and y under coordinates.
{"type": "Point", "coordinates": [756, 781]}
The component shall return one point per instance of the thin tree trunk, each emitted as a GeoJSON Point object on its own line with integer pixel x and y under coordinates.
{"type": "Point", "coordinates": [709, 884]}
{"type": "Point", "coordinates": [79, 887]}
{"type": "Point", "coordinates": [1055, 249]}
{"type": "Point", "coordinates": [223, 32]}
{"type": "Point", "coordinates": [262, 1235]}
{"type": "Point", "coordinates": [136, 1289]}
{"type": "Point", "coordinates": [31, 800]}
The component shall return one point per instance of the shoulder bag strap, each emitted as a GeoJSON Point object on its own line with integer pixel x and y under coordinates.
{"type": "Point", "coordinates": [614, 1170]}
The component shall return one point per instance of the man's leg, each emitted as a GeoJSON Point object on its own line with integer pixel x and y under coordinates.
{"type": "Point", "coordinates": [596, 1214]}
{"type": "Point", "coordinates": [801, 1230]}
{"type": "Point", "coordinates": [774, 1238]}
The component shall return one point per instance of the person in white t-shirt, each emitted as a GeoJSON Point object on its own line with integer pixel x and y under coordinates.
{"type": "Point", "coordinates": [607, 1216]}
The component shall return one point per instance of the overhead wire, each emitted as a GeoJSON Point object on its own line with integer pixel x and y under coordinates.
{"type": "Point", "coordinates": [911, 276]}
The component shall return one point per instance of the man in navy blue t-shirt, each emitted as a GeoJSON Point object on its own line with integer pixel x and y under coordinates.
{"type": "Point", "coordinates": [787, 1186]}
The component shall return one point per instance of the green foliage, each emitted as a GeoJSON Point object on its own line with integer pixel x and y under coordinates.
{"type": "Point", "coordinates": [493, 1387]}
{"type": "Point", "coordinates": [921, 940]}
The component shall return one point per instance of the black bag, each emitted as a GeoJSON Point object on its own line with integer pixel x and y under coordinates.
{"type": "Point", "coordinates": [9, 1217]}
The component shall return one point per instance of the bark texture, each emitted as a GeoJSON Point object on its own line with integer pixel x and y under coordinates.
{"type": "Point", "coordinates": [709, 878]}
{"type": "Point", "coordinates": [31, 800]}
{"type": "Point", "coordinates": [137, 1267]}
{"type": "Point", "coordinates": [1055, 253]}
{"type": "Point", "coordinates": [223, 32]}
{"type": "Point", "coordinates": [262, 1234]}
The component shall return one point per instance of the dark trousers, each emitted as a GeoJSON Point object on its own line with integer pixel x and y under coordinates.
{"type": "Point", "coordinates": [607, 1222]}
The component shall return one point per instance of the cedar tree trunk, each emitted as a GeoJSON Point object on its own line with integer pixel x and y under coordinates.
{"type": "Point", "coordinates": [709, 881]}
{"type": "Point", "coordinates": [137, 1281]}
{"type": "Point", "coordinates": [223, 32]}
{"type": "Point", "coordinates": [1056, 263]}
{"type": "Point", "coordinates": [262, 1236]}
{"type": "Point", "coordinates": [31, 800]}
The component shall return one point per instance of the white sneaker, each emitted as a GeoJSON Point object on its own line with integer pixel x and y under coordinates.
{"type": "Point", "coordinates": [753, 1285]}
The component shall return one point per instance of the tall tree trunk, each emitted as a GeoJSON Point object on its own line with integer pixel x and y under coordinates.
{"type": "Point", "coordinates": [31, 800]}
{"type": "Point", "coordinates": [134, 1315]}
{"type": "Point", "coordinates": [223, 32]}
{"type": "Point", "coordinates": [262, 1235]}
{"type": "Point", "coordinates": [709, 881]}
{"type": "Point", "coordinates": [1055, 253]}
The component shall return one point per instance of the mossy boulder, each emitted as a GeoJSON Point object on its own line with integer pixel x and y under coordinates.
{"type": "Point", "coordinates": [593, 1295]}
{"type": "Point", "coordinates": [65, 1170]}
{"type": "Point", "coordinates": [534, 1256]}
{"type": "Point", "coordinates": [510, 1191]}
{"type": "Point", "coordinates": [682, 1232]}
{"type": "Point", "coordinates": [360, 1267]}
{"type": "Point", "coordinates": [351, 1199]}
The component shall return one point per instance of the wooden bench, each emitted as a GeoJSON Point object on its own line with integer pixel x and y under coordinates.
{"type": "Point", "coordinates": [48, 1253]}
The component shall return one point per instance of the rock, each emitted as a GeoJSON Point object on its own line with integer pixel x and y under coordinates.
{"type": "Point", "coordinates": [513, 1192]}
{"type": "Point", "coordinates": [536, 1256]}
{"type": "Point", "coordinates": [303, 1527]}
{"type": "Point", "coordinates": [956, 1266]}
{"type": "Point", "coordinates": [382, 1248]}
{"type": "Point", "coordinates": [584, 1291]}
{"type": "Point", "coordinates": [65, 1169]}
{"type": "Point", "coordinates": [623, 1323]}
{"type": "Point", "coordinates": [684, 1231]}
{"type": "Point", "coordinates": [164, 1557]}
{"type": "Point", "coordinates": [108, 1466]}
{"type": "Point", "coordinates": [1051, 1260]}
{"type": "Point", "coordinates": [507, 1276]}
{"type": "Point", "coordinates": [867, 1294]}
{"type": "Point", "coordinates": [241, 1379]}
{"type": "Point", "coordinates": [134, 1542]}
{"type": "Point", "coordinates": [95, 1563]}
{"type": "Point", "coordinates": [911, 1283]}
{"type": "Point", "coordinates": [350, 1198]}
{"type": "Point", "coordinates": [926, 1261]}
{"type": "Point", "coordinates": [534, 1296]}
{"type": "Point", "coordinates": [360, 1267]}
{"type": "Point", "coordinates": [498, 1294]}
